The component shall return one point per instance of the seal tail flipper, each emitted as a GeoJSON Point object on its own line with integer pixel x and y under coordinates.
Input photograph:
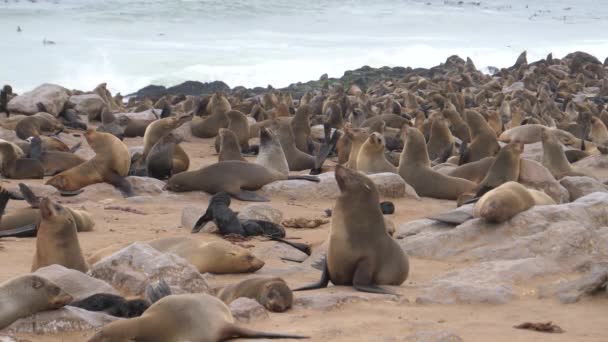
{"type": "Point", "coordinates": [29, 196]}
{"type": "Point", "coordinates": [158, 290]}
{"type": "Point", "coordinates": [464, 153]}
{"type": "Point", "coordinates": [121, 183]}
{"type": "Point", "coordinates": [363, 279]}
{"type": "Point", "coordinates": [248, 196]}
{"type": "Point", "coordinates": [302, 247]}
{"type": "Point", "coordinates": [322, 283]}
{"type": "Point", "coordinates": [21, 232]}
{"type": "Point", "coordinates": [233, 331]}
{"type": "Point", "coordinates": [304, 177]}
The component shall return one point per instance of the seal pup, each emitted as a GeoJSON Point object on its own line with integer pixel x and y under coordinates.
{"type": "Point", "coordinates": [271, 293]}
{"type": "Point", "coordinates": [415, 169]}
{"type": "Point", "coordinates": [133, 127]}
{"type": "Point", "coordinates": [361, 253]}
{"type": "Point", "coordinates": [111, 164]}
{"type": "Point", "coordinates": [229, 146]}
{"type": "Point", "coordinates": [187, 317]}
{"type": "Point", "coordinates": [57, 240]}
{"type": "Point", "coordinates": [509, 199]}
{"type": "Point", "coordinates": [38, 124]}
{"type": "Point", "coordinates": [371, 158]}
{"type": "Point", "coordinates": [15, 167]}
{"type": "Point", "coordinates": [26, 295]}
{"type": "Point", "coordinates": [161, 160]}
{"type": "Point", "coordinates": [440, 138]}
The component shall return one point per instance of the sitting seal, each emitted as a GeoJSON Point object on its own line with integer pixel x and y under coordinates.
{"type": "Point", "coordinates": [186, 317]}
{"type": "Point", "coordinates": [371, 158]}
{"type": "Point", "coordinates": [271, 293]}
{"type": "Point", "coordinates": [361, 253]}
{"type": "Point", "coordinates": [16, 167]}
{"type": "Point", "coordinates": [229, 146]}
{"type": "Point", "coordinates": [26, 295]}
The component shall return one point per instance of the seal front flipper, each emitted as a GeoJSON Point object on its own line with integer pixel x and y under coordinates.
{"type": "Point", "coordinates": [325, 150]}
{"type": "Point", "coordinates": [120, 182]}
{"type": "Point", "coordinates": [363, 279]}
{"type": "Point", "coordinates": [29, 196]}
{"type": "Point", "coordinates": [308, 178]}
{"type": "Point", "coordinates": [249, 196]}
{"type": "Point", "coordinates": [21, 232]}
{"type": "Point", "coordinates": [76, 147]}
{"type": "Point", "coordinates": [234, 331]}
{"type": "Point", "coordinates": [322, 283]}
{"type": "Point", "coordinates": [202, 221]}
{"type": "Point", "coordinates": [464, 154]}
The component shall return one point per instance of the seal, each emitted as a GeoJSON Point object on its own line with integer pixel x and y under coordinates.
{"type": "Point", "coordinates": [271, 293]}
{"type": "Point", "coordinates": [357, 138]}
{"type": "Point", "coordinates": [16, 167]}
{"type": "Point", "coordinates": [505, 168]}
{"type": "Point", "coordinates": [475, 171]}
{"type": "Point", "coordinates": [6, 91]}
{"type": "Point", "coordinates": [271, 153]}
{"type": "Point", "coordinates": [554, 158]}
{"type": "Point", "coordinates": [53, 162]}
{"type": "Point", "coordinates": [371, 158]}
{"type": "Point", "coordinates": [599, 132]}
{"type": "Point", "coordinates": [296, 159]}
{"type": "Point", "coordinates": [361, 253]}
{"type": "Point", "coordinates": [484, 142]}
{"type": "Point", "coordinates": [209, 126]}
{"type": "Point", "coordinates": [229, 146]}
{"type": "Point", "coordinates": [38, 124]}
{"type": "Point", "coordinates": [300, 125]}
{"type": "Point", "coordinates": [440, 139]}
{"type": "Point", "coordinates": [133, 127]}
{"type": "Point", "coordinates": [26, 295]}
{"type": "Point", "coordinates": [185, 317]}
{"type": "Point", "coordinates": [509, 199]}
{"type": "Point", "coordinates": [111, 164]}
{"type": "Point", "coordinates": [160, 128]}
{"type": "Point", "coordinates": [162, 159]}
{"type": "Point", "coordinates": [415, 169]}
{"type": "Point", "coordinates": [239, 125]}
{"type": "Point", "coordinates": [57, 240]}
{"type": "Point", "coordinates": [532, 133]}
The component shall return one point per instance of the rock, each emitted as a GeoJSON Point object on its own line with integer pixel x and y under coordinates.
{"type": "Point", "coordinates": [65, 319]}
{"type": "Point", "coordinates": [581, 186]}
{"type": "Point", "coordinates": [131, 269]}
{"type": "Point", "coordinates": [189, 217]}
{"type": "Point", "coordinates": [594, 281]}
{"type": "Point", "coordinates": [534, 175]}
{"type": "Point", "coordinates": [142, 186]}
{"type": "Point", "coordinates": [53, 97]}
{"type": "Point", "coordinates": [75, 283]}
{"type": "Point", "coordinates": [9, 135]}
{"type": "Point", "coordinates": [533, 152]}
{"type": "Point", "coordinates": [433, 336]}
{"type": "Point", "coordinates": [149, 114]}
{"type": "Point", "coordinates": [262, 212]}
{"type": "Point", "coordinates": [146, 185]}
{"type": "Point", "coordinates": [277, 250]}
{"type": "Point", "coordinates": [185, 132]}
{"type": "Point", "coordinates": [5, 338]}
{"type": "Point", "coordinates": [389, 185]}
{"type": "Point", "coordinates": [332, 298]}
{"type": "Point", "coordinates": [90, 105]}
{"type": "Point", "coordinates": [599, 161]}
{"type": "Point", "coordinates": [246, 310]}
{"type": "Point", "coordinates": [317, 132]}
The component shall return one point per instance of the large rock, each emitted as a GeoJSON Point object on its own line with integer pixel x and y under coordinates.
{"type": "Point", "coordinates": [75, 283]}
{"type": "Point", "coordinates": [534, 175]}
{"type": "Point", "coordinates": [262, 212]}
{"type": "Point", "coordinates": [149, 114]}
{"type": "Point", "coordinates": [389, 185]}
{"type": "Point", "coordinates": [593, 282]}
{"type": "Point", "coordinates": [599, 161]}
{"type": "Point", "coordinates": [90, 105]}
{"type": "Point", "coordinates": [53, 97]}
{"type": "Point", "coordinates": [131, 269]}
{"type": "Point", "coordinates": [533, 152]}
{"type": "Point", "coordinates": [65, 319]}
{"type": "Point", "coordinates": [189, 217]}
{"type": "Point", "coordinates": [581, 186]}
{"type": "Point", "coordinates": [245, 310]}
{"type": "Point", "coordinates": [142, 186]}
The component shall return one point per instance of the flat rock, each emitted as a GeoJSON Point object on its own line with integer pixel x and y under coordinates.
{"type": "Point", "coordinates": [131, 269]}
{"type": "Point", "coordinates": [262, 212]}
{"type": "Point", "coordinates": [65, 319]}
{"type": "Point", "coordinates": [77, 284]}
{"type": "Point", "coordinates": [433, 336]}
{"type": "Point", "coordinates": [582, 186]}
{"type": "Point", "coordinates": [593, 282]}
{"type": "Point", "coordinates": [534, 175]}
{"type": "Point", "coordinates": [334, 297]}
{"type": "Point", "coordinates": [53, 97]}
{"type": "Point", "coordinates": [317, 132]}
{"type": "Point", "coordinates": [389, 185]}
{"type": "Point", "coordinates": [245, 310]}
{"type": "Point", "coordinates": [90, 105]}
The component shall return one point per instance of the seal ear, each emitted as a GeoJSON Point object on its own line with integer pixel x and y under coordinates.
{"type": "Point", "coordinates": [37, 283]}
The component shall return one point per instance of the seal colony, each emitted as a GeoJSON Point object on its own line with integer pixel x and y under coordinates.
{"type": "Point", "coordinates": [453, 134]}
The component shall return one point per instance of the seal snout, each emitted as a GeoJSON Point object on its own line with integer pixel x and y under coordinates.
{"type": "Point", "coordinates": [61, 300]}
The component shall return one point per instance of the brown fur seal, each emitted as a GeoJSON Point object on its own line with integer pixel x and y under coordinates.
{"type": "Point", "coordinates": [218, 103]}
{"type": "Point", "coordinates": [357, 138]}
{"type": "Point", "coordinates": [371, 158]}
{"type": "Point", "coordinates": [271, 293]}
{"type": "Point", "coordinates": [296, 159]}
{"type": "Point", "coordinates": [504, 169]}
{"type": "Point", "coordinates": [57, 241]}
{"type": "Point", "coordinates": [162, 161]}
{"type": "Point", "coordinates": [300, 125]}
{"type": "Point", "coordinates": [532, 133]}
{"type": "Point", "coordinates": [110, 164]}
{"type": "Point", "coordinates": [177, 318]}
{"type": "Point", "coordinates": [271, 153]}
{"type": "Point", "coordinates": [239, 125]}
{"type": "Point", "coordinates": [229, 146]}
{"type": "Point", "coordinates": [217, 108]}
{"type": "Point", "coordinates": [508, 200]}
{"type": "Point", "coordinates": [415, 169]}
{"type": "Point", "coordinates": [484, 142]}
{"type": "Point", "coordinates": [360, 252]}
{"type": "Point", "coordinates": [440, 138]}
{"type": "Point", "coordinates": [29, 294]}
{"type": "Point", "coordinates": [554, 158]}
{"type": "Point", "coordinates": [53, 162]}
{"type": "Point", "coordinates": [133, 127]}
{"type": "Point", "coordinates": [14, 167]}
{"type": "Point", "coordinates": [475, 171]}
{"type": "Point", "coordinates": [38, 124]}
{"type": "Point", "coordinates": [160, 128]}
{"type": "Point", "coordinates": [234, 177]}
{"type": "Point", "coordinates": [599, 132]}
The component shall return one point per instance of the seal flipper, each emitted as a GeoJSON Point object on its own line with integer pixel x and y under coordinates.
{"type": "Point", "coordinates": [302, 247]}
{"type": "Point", "coordinates": [70, 193]}
{"type": "Point", "coordinates": [248, 196]}
{"type": "Point", "coordinates": [202, 221]}
{"type": "Point", "coordinates": [29, 196]}
{"type": "Point", "coordinates": [121, 183]}
{"type": "Point", "coordinates": [446, 153]}
{"type": "Point", "coordinates": [233, 331]}
{"type": "Point", "coordinates": [363, 279]}
{"type": "Point", "coordinates": [76, 147]}
{"type": "Point", "coordinates": [308, 178]}
{"type": "Point", "coordinates": [156, 291]}
{"type": "Point", "coordinates": [166, 112]}
{"type": "Point", "coordinates": [5, 195]}
{"type": "Point", "coordinates": [21, 232]}
{"type": "Point", "coordinates": [464, 154]}
{"type": "Point", "coordinates": [322, 283]}
{"type": "Point", "coordinates": [325, 150]}
{"type": "Point", "coordinates": [35, 148]}
{"type": "Point", "coordinates": [482, 190]}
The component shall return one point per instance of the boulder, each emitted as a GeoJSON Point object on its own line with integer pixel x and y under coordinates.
{"type": "Point", "coordinates": [332, 298]}
{"type": "Point", "coordinates": [131, 269]}
{"type": "Point", "coordinates": [149, 114]}
{"type": "Point", "coordinates": [277, 250]}
{"type": "Point", "coordinates": [90, 105]}
{"type": "Point", "coordinates": [593, 282]}
{"type": "Point", "coordinates": [75, 283]}
{"type": "Point", "coordinates": [263, 212]}
{"type": "Point", "coordinates": [581, 186]}
{"type": "Point", "coordinates": [189, 217]}
{"type": "Point", "coordinates": [65, 319]}
{"type": "Point", "coordinates": [533, 151]}
{"type": "Point", "coordinates": [534, 175]}
{"type": "Point", "coordinates": [53, 97]}
{"type": "Point", "coordinates": [245, 310]}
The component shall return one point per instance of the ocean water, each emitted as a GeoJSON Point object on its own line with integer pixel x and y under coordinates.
{"type": "Point", "coordinates": [133, 43]}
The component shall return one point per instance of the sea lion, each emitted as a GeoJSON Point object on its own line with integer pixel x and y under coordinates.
{"type": "Point", "coordinates": [111, 164]}
{"type": "Point", "coordinates": [186, 317]}
{"type": "Point", "coordinates": [133, 127]}
{"type": "Point", "coordinates": [229, 146]}
{"type": "Point", "coordinates": [271, 153]}
{"type": "Point", "coordinates": [296, 159]}
{"type": "Point", "coordinates": [162, 160]}
{"type": "Point", "coordinates": [38, 124]}
{"type": "Point", "coordinates": [26, 295]}
{"type": "Point", "coordinates": [504, 169]}
{"type": "Point", "coordinates": [57, 241]}
{"type": "Point", "coordinates": [475, 171]}
{"type": "Point", "coordinates": [509, 199]}
{"type": "Point", "coordinates": [236, 178]}
{"type": "Point", "coordinates": [53, 162]}
{"type": "Point", "coordinates": [554, 158]}
{"type": "Point", "coordinates": [271, 293]}
{"type": "Point", "coordinates": [15, 167]}
{"type": "Point", "coordinates": [239, 125]}
{"type": "Point", "coordinates": [361, 253]}
{"type": "Point", "coordinates": [300, 125]}
{"type": "Point", "coordinates": [440, 138]}
{"type": "Point", "coordinates": [483, 138]}
{"type": "Point", "coordinates": [415, 169]}
{"type": "Point", "coordinates": [371, 158]}
{"type": "Point", "coordinates": [357, 138]}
